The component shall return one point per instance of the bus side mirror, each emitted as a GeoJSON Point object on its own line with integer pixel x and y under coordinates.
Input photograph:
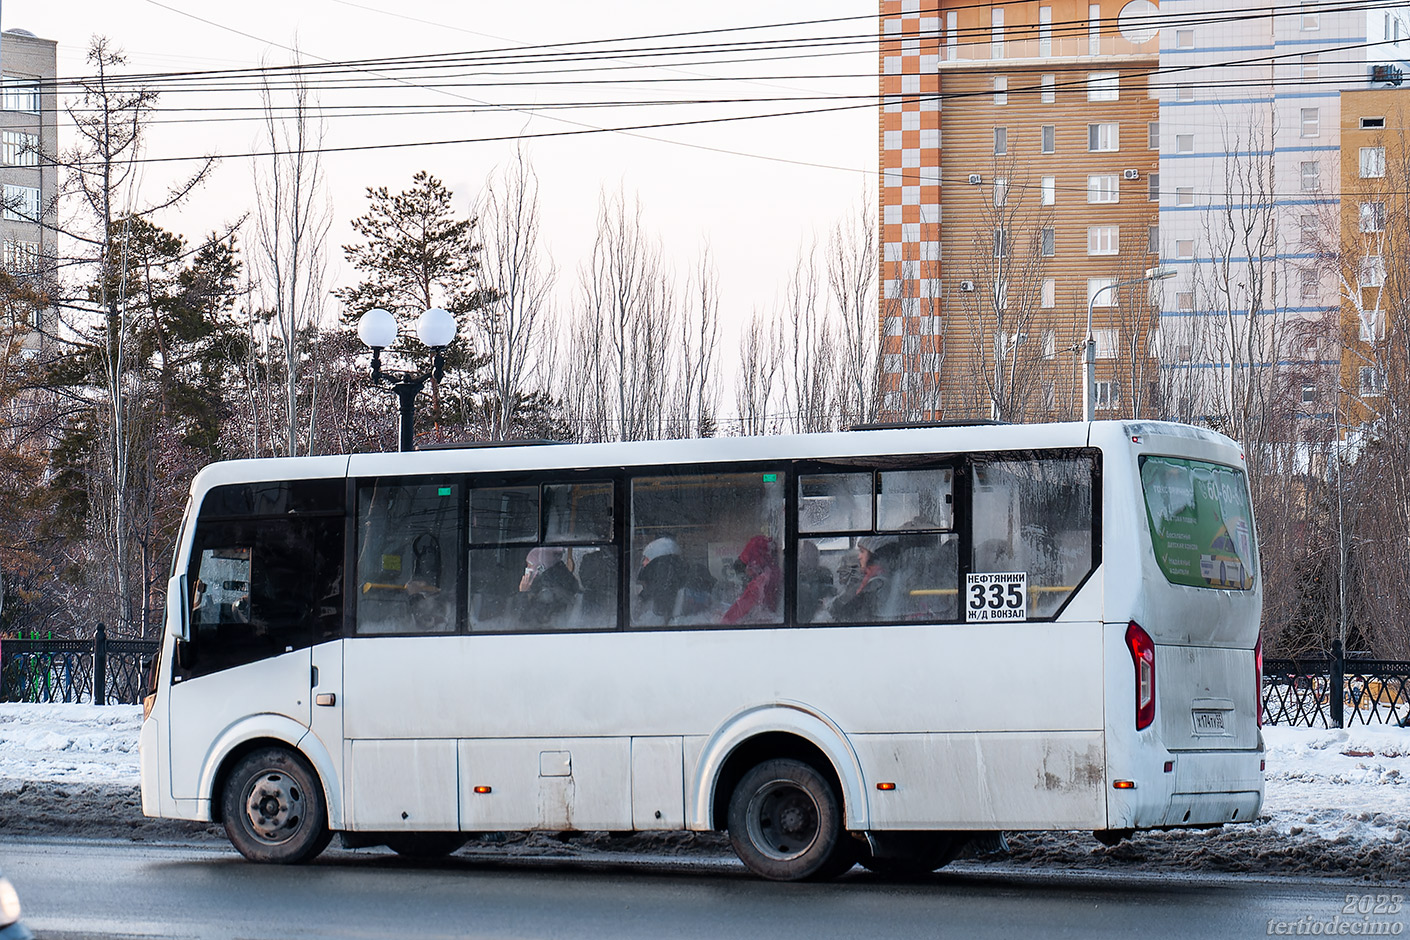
{"type": "Point", "coordinates": [178, 608]}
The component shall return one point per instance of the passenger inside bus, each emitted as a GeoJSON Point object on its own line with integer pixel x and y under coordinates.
{"type": "Point", "coordinates": [867, 588]}
{"type": "Point", "coordinates": [763, 584]}
{"type": "Point", "coordinates": [548, 590]}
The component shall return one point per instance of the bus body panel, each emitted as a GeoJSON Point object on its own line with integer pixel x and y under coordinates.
{"type": "Point", "coordinates": [204, 711]}
{"type": "Point", "coordinates": [1013, 780]}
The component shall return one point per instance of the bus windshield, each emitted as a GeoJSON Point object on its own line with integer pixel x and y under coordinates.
{"type": "Point", "coordinates": [1200, 522]}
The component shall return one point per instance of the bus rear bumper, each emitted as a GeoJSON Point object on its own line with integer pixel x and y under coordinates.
{"type": "Point", "coordinates": [1200, 788]}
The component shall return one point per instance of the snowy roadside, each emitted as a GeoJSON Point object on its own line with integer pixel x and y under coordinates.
{"type": "Point", "coordinates": [1338, 803]}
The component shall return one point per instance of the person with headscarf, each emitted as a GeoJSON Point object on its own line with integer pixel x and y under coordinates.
{"type": "Point", "coordinates": [758, 602]}
{"type": "Point", "coordinates": [865, 597]}
{"type": "Point", "coordinates": [548, 588]}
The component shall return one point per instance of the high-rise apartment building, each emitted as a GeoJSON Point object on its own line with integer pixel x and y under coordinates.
{"type": "Point", "coordinates": [1017, 185]}
{"type": "Point", "coordinates": [28, 181]}
{"type": "Point", "coordinates": [1034, 155]}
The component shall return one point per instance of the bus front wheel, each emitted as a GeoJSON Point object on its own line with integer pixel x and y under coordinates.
{"type": "Point", "coordinates": [274, 809]}
{"type": "Point", "coordinates": [786, 823]}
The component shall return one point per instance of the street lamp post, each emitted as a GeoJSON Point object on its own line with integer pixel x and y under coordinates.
{"type": "Point", "coordinates": [1089, 396]}
{"type": "Point", "coordinates": [378, 329]}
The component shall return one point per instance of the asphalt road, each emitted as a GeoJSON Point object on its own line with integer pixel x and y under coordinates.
{"type": "Point", "coordinates": [90, 889]}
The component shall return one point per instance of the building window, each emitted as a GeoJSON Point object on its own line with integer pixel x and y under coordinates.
{"type": "Point", "coordinates": [1049, 89]}
{"type": "Point", "coordinates": [1307, 230]}
{"type": "Point", "coordinates": [1102, 187]}
{"type": "Point", "coordinates": [1153, 187]}
{"type": "Point", "coordinates": [1108, 394]}
{"type": "Point", "coordinates": [1102, 239]}
{"type": "Point", "coordinates": [1152, 239]}
{"type": "Point", "coordinates": [1001, 140]}
{"type": "Point", "coordinates": [1184, 195]}
{"type": "Point", "coordinates": [1049, 190]}
{"type": "Point", "coordinates": [21, 203]}
{"type": "Point", "coordinates": [1108, 341]}
{"type": "Point", "coordinates": [1372, 216]}
{"type": "Point", "coordinates": [1373, 163]}
{"type": "Point", "coordinates": [1311, 176]}
{"type": "Point", "coordinates": [1311, 122]}
{"type": "Point", "coordinates": [21, 257]}
{"type": "Point", "coordinates": [1184, 143]}
{"type": "Point", "coordinates": [996, 32]}
{"type": "Point", "coordinates": [21, 94]}
{"type": "Point", "coordinates": [1371, 272]}
{"type": "Point", "coordinates": [1373, 381]}
{"type": "Point", "coordinates": [1309, 65]}
{"type": "Point", "coordinates": [1001, 243]}
{"type": "Point", "coordinates": [1050, 344]}
{"type": "Point", "coordinates": [1001, 89]}
{"type": "Point", "coordinates": [1184, 39]}
{"type": "Point", "coordinates": [1184, 92]}
{"type": "Point", "coordinates": [20, 149]}
{"type": "Point", "coordinates": [1047, 294]}
{"type": "Point", "coordinates": [1103, 86]}
{"type": "Point", "coordinates": [1048, 240]}
{"type": "Point", "coordinates": [1185, 301]}
{"type": "Point", "coordinates": [1153, 135]}
{"type": "Point", "coordinates": [1098, 295]}
{"type": "Point", "coordinates": [1308, 289]}
{"type": "Point", "coordinates": [1045, 32]}
{"type": "Point", "coordinates": [1373, 326]}
{"type": "Point", "coordinates": [1311, 19]}
{"type": "Point", "coordinates": [1184, 247]}
{"type": "Point", "coordinates": [1049, 138]}
{"type": "Point", "coordinates": [1103, 138]}
{"type": "Point", "coordinates": [1001, 192]}
{"type": "Point", "coordinates": [1373, 123]}
{"type": "Point", "coordinates": [1094, 29]}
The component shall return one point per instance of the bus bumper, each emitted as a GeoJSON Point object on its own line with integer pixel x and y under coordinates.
{"type": "Point", "coordinates": [1199, 788]}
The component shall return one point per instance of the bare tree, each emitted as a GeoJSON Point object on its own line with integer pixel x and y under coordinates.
{"type": "Point", "coordinates": [512, 325]}
{"type": "Point", "coordinates": [761, 356]}
{"type": "Point", "coordinates": [811, 375]}
{"type": "Point", "coordinates": [695, 394]}
{"type": "Point", "coordinates": [851, 278]}
{"type": "Point", "coordinates": [110, 117]}
{"type": "Point", "coordinates": [292, 222]}
{"type": "Point", "coordinates": [1003, 353]}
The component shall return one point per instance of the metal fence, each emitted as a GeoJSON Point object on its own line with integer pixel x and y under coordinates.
{"type": "Point", "coordinates": [100, 671]}
{"type": "Point", "coordinates": [1334, 691]}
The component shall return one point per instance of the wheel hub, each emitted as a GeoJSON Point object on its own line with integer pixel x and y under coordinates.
{"type": "Point", "coordinates": [274, 806]}
{"type": "Point", "coordinates": [784, 820]}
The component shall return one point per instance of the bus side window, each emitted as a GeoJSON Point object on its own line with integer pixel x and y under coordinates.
{"type": "Point", "coordinates": [542, 557]}
{"type": "Point", "coordinates": [706, 549]}
{"type": "Point", "coordinates": [407, 557]}
{"type": "Point", "coordinates": [262, 588]}
{"type": "Point", "coordinates": [1035, 516]}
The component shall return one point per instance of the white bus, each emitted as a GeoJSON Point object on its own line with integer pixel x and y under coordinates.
{"type": "Point", "coordinates": [856, 647]}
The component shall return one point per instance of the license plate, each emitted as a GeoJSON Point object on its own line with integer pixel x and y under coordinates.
{"type": "Point", "coordinates": [1210, 721]}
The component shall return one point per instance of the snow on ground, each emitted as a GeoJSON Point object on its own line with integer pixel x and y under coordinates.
{"type": "Point", "coordinates": [1337, 801]}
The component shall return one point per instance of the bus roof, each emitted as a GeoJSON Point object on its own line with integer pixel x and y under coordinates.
{"type": "Point", "coordinates": [705, 451]}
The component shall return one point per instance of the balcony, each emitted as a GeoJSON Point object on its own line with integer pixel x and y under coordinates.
{"type": "Point", "coordinates": [1035, 51]}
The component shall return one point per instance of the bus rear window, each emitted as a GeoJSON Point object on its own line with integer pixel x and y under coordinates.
{"type": "Point", "coordinates": [1200, 521]}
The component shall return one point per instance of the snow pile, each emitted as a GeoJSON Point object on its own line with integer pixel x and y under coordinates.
{"type": "Point", "coordinates": [1337, 801]}
{"type": "Point", "coordinates": [69, 744]}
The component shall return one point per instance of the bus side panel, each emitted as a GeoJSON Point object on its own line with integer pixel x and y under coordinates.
{"type": "Point", "coordinates": [1036, 780]}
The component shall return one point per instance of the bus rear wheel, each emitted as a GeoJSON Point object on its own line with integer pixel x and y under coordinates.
{"type": "Point", "coordinates": [274, 809]}
{"type": "Point", "coordinates": [786, 823]}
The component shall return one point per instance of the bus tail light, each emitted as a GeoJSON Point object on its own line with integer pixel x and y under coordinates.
{"type": "Point", "coordinates": [1258, 679]}
{"type": "Point", "coordinates": [1142, 650]}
